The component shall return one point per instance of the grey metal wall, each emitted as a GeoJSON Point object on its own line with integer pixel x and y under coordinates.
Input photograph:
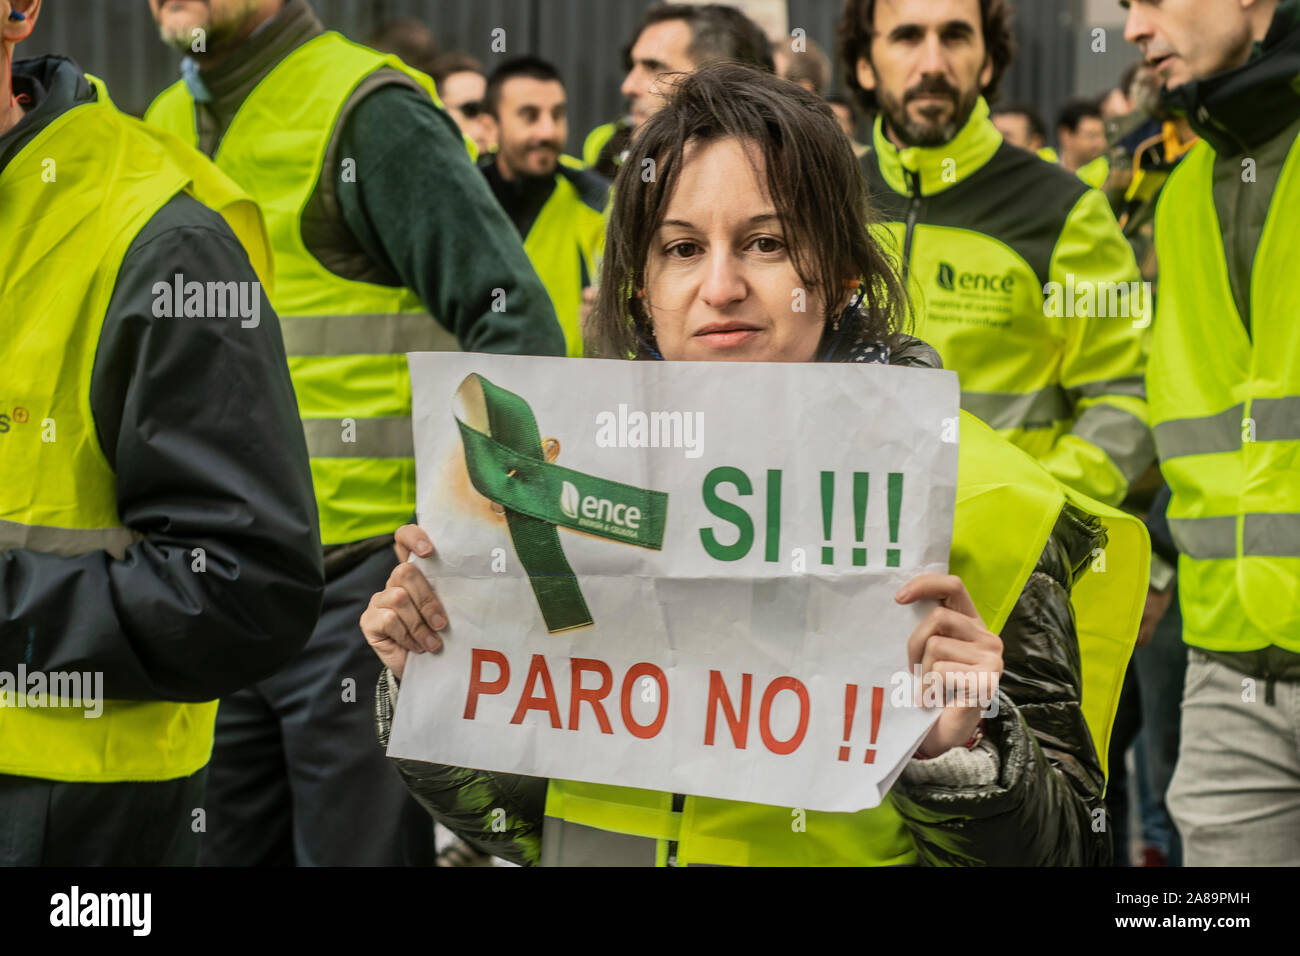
{"type": "Point", "coordinates": [1043, 71]}
{"type": "Point", "coordinates": [1099, 65]}
{"type": "Point", "coordinates": [115, 39]}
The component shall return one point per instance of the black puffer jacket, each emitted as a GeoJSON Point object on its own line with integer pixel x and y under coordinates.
{"type": "Point", "coordinates": [1043, 809]}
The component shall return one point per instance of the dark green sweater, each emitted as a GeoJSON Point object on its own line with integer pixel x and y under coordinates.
{"type": "Point", "coordinates": [418, 214]}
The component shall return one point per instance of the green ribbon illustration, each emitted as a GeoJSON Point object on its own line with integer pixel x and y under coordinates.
{"type": "Point", "coordinates": [507, 465]}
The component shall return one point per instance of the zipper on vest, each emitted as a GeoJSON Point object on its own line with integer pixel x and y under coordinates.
{"type": "Point", "coordinates": [913, 180]}
{"type": "Point", "coordinates": [679, 804]}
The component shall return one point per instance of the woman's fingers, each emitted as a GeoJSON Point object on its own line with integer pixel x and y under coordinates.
{"type": "Point", "coordinates": [951, 650]}
{"type": "Point", "coordinates": [410, 538]}
{"type": "Point", "coordinates": [964, 686]}
{"type": "Point", "coordinates": [407, 612]}
{"type": "Point", "coordinates": [947, 589]}
{"type": "Point", "coordinates": [406, 615]}
{"type": "Point", "coordinates": [422, 597]}
{"type": "Point", "coordinates": [409, 595]}
{"type": "Point", "coordinates": [949, 623]}
{"type": "Point", "coordinates": [387, 635]}
{"type": "Point", "coordinates": [392, 616]}
{"type": "Point", "coordinates": [958, 652]}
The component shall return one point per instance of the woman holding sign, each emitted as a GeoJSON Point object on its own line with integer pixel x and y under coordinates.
{"type": "Point", "coordinates": [755, 192]}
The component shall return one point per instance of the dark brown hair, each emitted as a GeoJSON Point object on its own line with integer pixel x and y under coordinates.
{"type": "Point", "coordinates": [454, 61]}
{"type": "Point", "coordinates": [812, 64]}
{"type": "Point", "coordinates": [812, 177]}
{"type": "Point", "coordinates": [409, 39]}
{"type": "Point", "coordinates": [718, 32]}
{"type": "Point", "coordinates": [532, 67]}
{"type": "Point", "coordinates": [858, 27]}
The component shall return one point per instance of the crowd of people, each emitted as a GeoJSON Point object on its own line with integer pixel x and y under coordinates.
{"type": "Point", "coordinates": [226, 511]}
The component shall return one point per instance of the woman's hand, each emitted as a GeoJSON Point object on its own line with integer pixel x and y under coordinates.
{"type": "Point", "coordinates": [406, 615]}
{"type": "Point", "coordinates": [954, 646]}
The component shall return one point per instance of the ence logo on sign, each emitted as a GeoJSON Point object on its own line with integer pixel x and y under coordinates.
{"type": "Point", "coordinates": [599, 514]}
{"type": "Point", "coordinates": [507, 465]}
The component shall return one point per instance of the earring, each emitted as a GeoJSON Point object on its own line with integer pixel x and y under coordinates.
{"type": "Point", "coordinates": [15, 15]}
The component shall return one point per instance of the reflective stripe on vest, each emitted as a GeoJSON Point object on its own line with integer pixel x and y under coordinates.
{"type": "Point", "coordinates": [1270, 419]}
{"type": "Point", "coordinates": [373, 334]}
{"type": "Point", "coordinates": [66, 542]}
{"type": "Point", "coordinates": [1007, 506]}
{"type": "Point", "coordinates": [345, 340]}
{"type": "Point", "coordinates": [58, 493]}
{"type": "Point", "coordinates": [1211, 539]}
{"type": "Point", "coordinates": [1225, 406]}
{"type": "Point", "coordinates": [386, 337]}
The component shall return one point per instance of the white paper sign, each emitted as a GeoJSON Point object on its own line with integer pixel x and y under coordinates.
{"type": "Point", "coordinates": [734, 534]}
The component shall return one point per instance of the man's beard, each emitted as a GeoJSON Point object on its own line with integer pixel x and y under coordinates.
{"type": "Point", "coordinates": [218, 36]}
{"type": "Point", "coordinates": [927, 132]}
{"type": "Point", "coordinates": [519, 165]}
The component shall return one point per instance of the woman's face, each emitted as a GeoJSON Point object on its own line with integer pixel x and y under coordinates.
{"type": "Point", "coordinates": [720, 282]}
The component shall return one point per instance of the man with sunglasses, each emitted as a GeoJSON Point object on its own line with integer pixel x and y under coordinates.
{"type": "Point", "coordinates": [462, 85]}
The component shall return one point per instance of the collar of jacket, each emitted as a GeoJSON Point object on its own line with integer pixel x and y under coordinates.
{"type": "Point", "coordinates": [55, 84]}
{"type": "Point", "coordinates": [231, 79]}
{"type": "Point", "coordinates": [1239, 110]}
{"type": "Point", "coordinates": [972, 147]}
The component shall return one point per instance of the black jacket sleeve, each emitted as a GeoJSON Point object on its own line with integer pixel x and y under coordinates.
{"type": "Point", "coordinates": [1162, 539]}
{"type": "Point", "coordinates": [1045, 809]}
{"type": "Point", "coordinates": [417, 205]}
{"type": "Point", "coordinates": [496, 813]}
{"type": "Point", "coordinates": [198, 419]}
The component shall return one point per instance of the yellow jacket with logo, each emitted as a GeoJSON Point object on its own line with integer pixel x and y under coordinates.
{"type": "Point", "coordinates": [1024, 283]}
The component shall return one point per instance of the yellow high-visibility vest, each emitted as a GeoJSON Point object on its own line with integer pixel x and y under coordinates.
{"type": "Point", "coordinates": [1094, 173]}
{"type": "Point", "coordinates": [1007, 506]}
{"type": "Point", "coordinates": [346, 340]}
{"type": "Point", "coordinates": [596, 141]}
{"type": "Point", "coordinates": [567, 240]}
{"type": "Point", "coordinates": [1225, 403]}
{"type": "Point", "coordinates": [112, 174]}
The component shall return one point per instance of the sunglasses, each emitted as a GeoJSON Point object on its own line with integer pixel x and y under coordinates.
{"type": "Point", "coordinates": [472, 109]}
